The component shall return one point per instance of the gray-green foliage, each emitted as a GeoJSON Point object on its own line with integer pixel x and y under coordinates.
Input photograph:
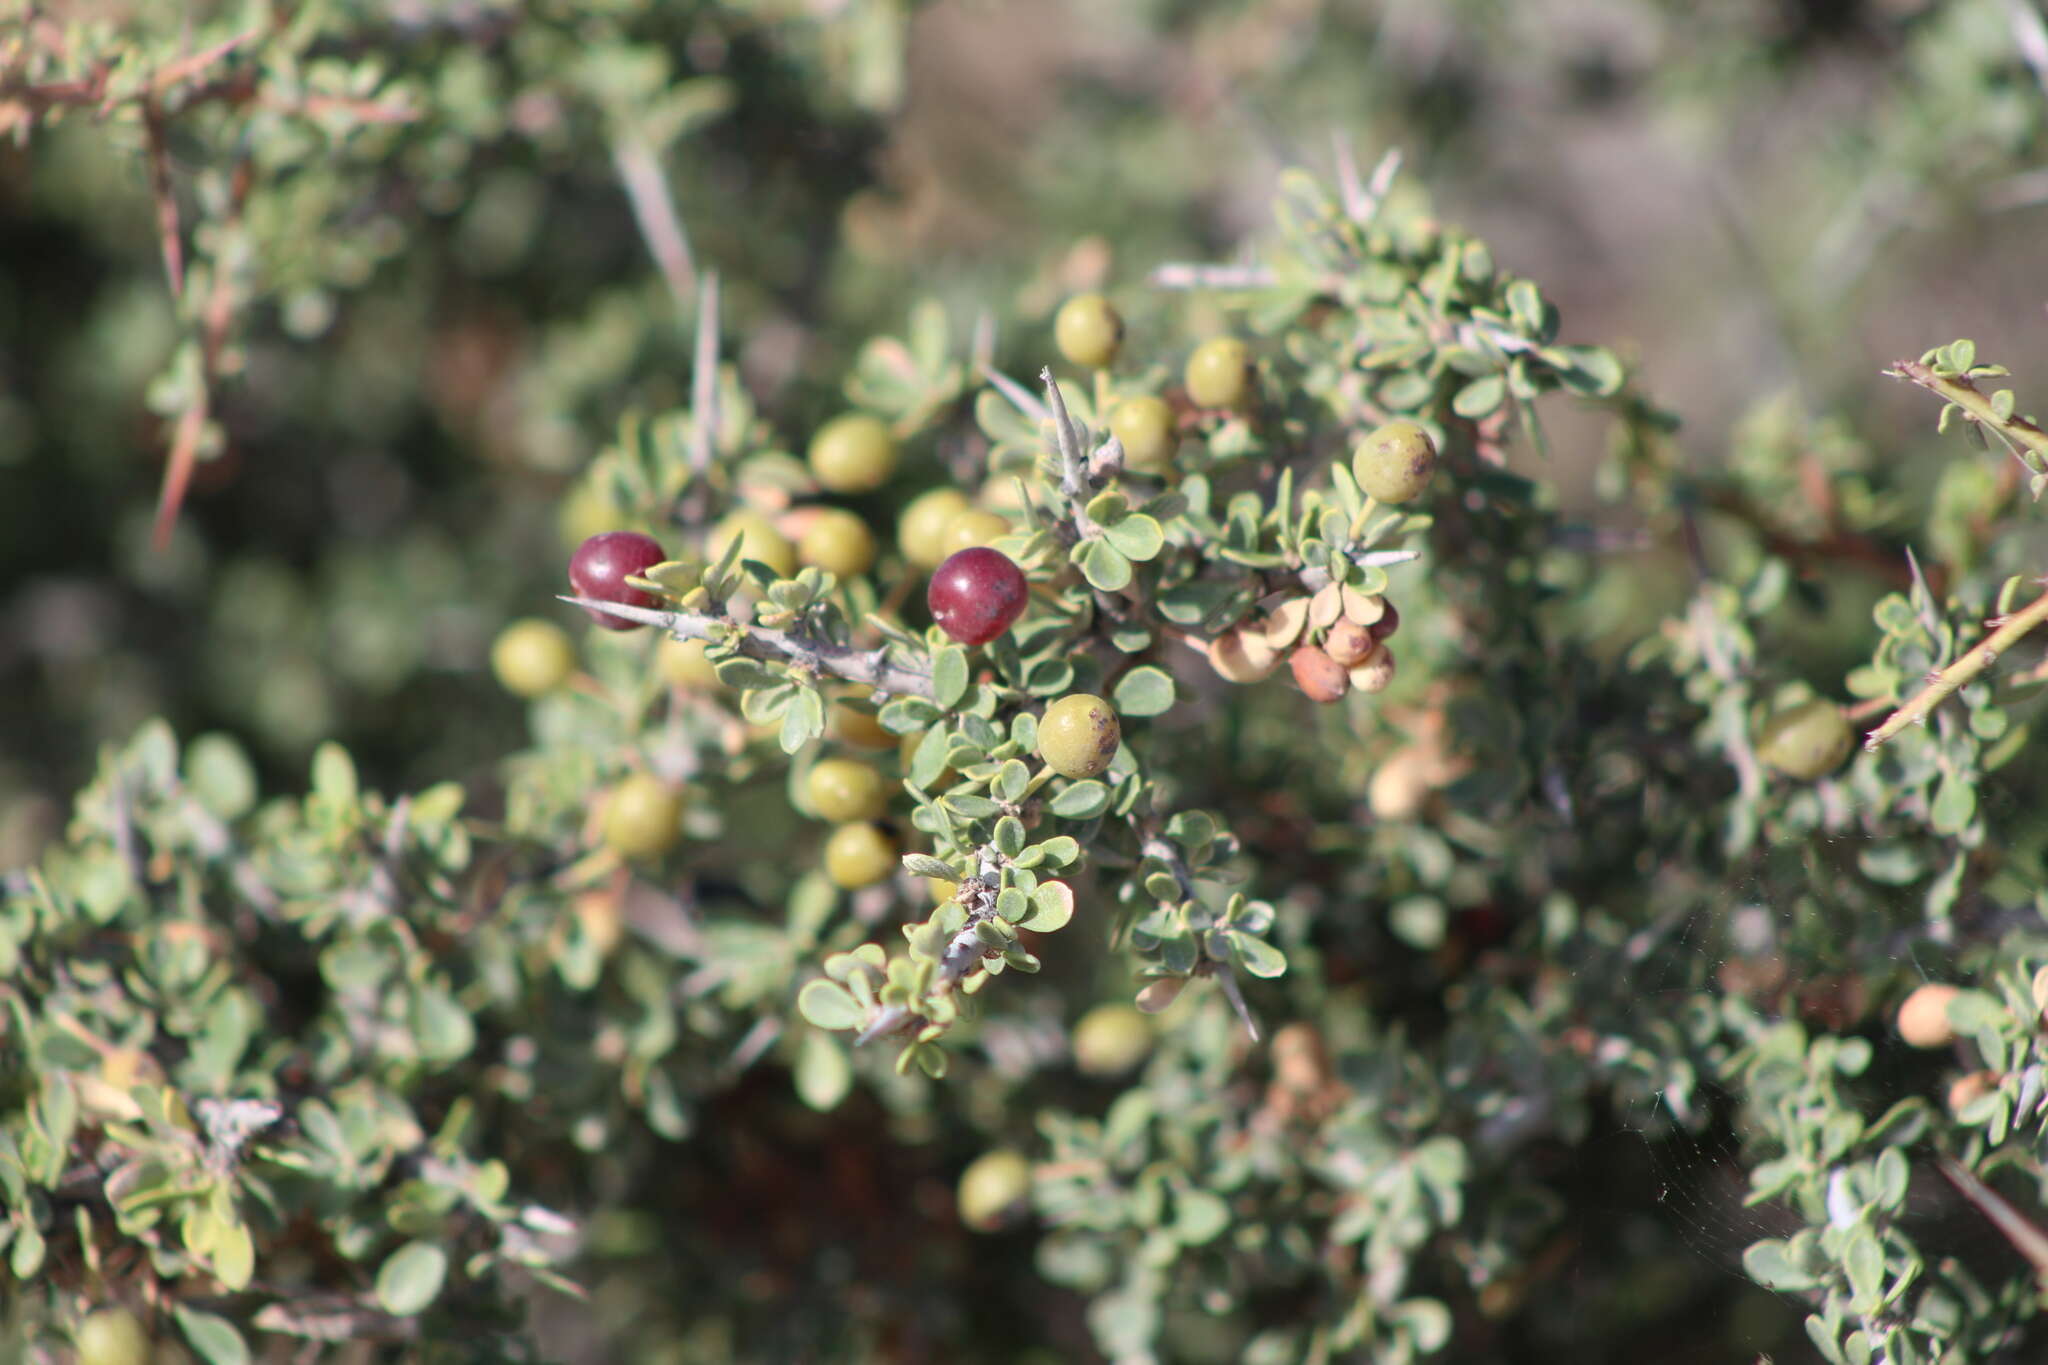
{"type": "Point", "coordinates": [396, 1068]}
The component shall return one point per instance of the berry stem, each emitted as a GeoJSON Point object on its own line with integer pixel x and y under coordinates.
{"type": "Point", "coordinates": [870, 666]}
{"type": "Point", "coordinates": [1963, 670]}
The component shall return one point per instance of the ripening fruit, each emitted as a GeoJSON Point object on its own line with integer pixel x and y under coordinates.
{"type": "Point", "coordinates": [975, 527]}
{"type": "Point", "coordinates": [759, 541]}
{"type": "Point", "coordinates": [976, 595]}
{"type": "Point", "coordinates": [838, 542]}
{"type": "Point", "coordinates": [599, 569]}
{"type": "Point", "coordinates": [1219, 374]}
{"type": "Point", "coordinates": [643, 818]}
{"type": "Point", "coordinates": [991, 1187]}
{"type": "Point", "coordinates": [1923, 1019]}
{"type": "Point", "coordinates": [112, 1336]}
{"type": "Point", "coordinates": [1078, 735]}
{"type": "Point", "coordinates": [1111, 1039]}
{"type": "Point", "coordinates": [1968, 1089]}
{"type": "Point", "coordinates": [1146, 429]}
{"type": "Point", "coordinates": [1318, 675]}
{"type": "Point", "coordinates": [1389, 622]}
{"type": "Point", "coordinates": [921, 530]}
{"type": "Point", "coordinates": [584, 513]}
{"type": "Point", "coordinates": [1088, 331]}
{"type": "Point", "coordinates": [1376, 674]}
{"type": "Point", "coordinates": [853, 454]}
{"type": "Point", "coordinates": [1240, 655]}
{"type": "Point", "coordinates": [683, 663]}
{"type": "Point", "coordinates": [859, 854]}
{"type": "Point", "coordinates": [1401, 785]}
{"type": "Point", "coordinates": [532, 657]}
{"type": "Point", "coordinates": [1348, 642]}
{"type": "Point", "coordinates": [1395, 462]}
{"type": "Point", "coordinates": [1807, 742]}
{"type": "Point", "coordinates": [850, 724]}
{"type": "Point", "coordinates": [842, 789]}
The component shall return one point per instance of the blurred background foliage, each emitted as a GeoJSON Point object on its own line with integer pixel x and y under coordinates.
{"type": "Point", "coordinates": [408, 328]}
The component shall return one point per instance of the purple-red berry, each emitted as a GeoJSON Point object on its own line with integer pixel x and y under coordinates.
{"type": "Point", "coordinates": [1389, 622]}
{"type": "Point", "coordinates": [977, 594]}
{"type": "Point", "coordinates": [599, 569]}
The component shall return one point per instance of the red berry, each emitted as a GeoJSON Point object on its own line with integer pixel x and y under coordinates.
{"type": "Point", "coordinates": [1389, 622]}
{"type": "Point", "coordinates": [976, 595]}
{"type": "Point", "coordinates": [599, 567]}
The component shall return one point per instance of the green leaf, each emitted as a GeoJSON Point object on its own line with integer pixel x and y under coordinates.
{"type": "Point", "coordinates": [1052, 906]}
{"type": "Point", "coordinates": [829, 1005]}
{"type": "Point", "coordinates": [949, 676]}
{"type": "Point", "coordinates": [803, 720]}
{"type": "Point", "coordinates": [233, 1254]}
{"type": "Point", "coordinates": [1080, 801]}
{"type": "Point", "coordinates": [1955, 804]}
{"type": "Point", "coordinates": [823, 1076]}
{"type": "Point", "coordinates": [1198, 1217]}
{"type": "Point", "coordinates": [908, 716]}
{"type": "Point", "coordinates": [745, 675]}
{"type": "Point", "coordinates": [1428, 1321]}
{"type": "Point", "coordinates": [1108, 507]}
{"type": "Point", "coordinates": [1009, 836]}
{"type": "Point", "coordinates": [969, 807]}
{"type": "Point", "coordinates": [215, 1339]}
{"type": "Point", "coordinates": [1102, 565]}
{"type": "Point", "coordinates": [925, 865]}
{"type": "Point", "coordinates": [1864, 1260]}
{"type": "Point", "coordinates": [1061, 850]}
{"type": "Point", "coordinates": [1770, 1264]}
{"type": "Point", "coordinates": [1012, 779]}
{"type": "Point", "coordinates": [1144, 691]}
{"type": "Point", "coordinates": [1481, 397]}
{"type": "Point", "coordinates": [1255, 955]}
{"type": "Point", "coordinates": [410, 1278]}
{"type": "Point", "coordinates": [334, 776]}
{"type": "Point", "coordinates": [1136, 537]}
{"type": "Point", "coordinates": [220, 775]}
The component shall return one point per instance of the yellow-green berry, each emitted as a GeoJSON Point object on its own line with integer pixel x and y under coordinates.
{"type": "Point", "coordinates": [838, 542]}
{"type": "Point", "coordinates": [1078, 735]}
{"type": "Point", "coordinates": [842, 789]}
{"type": "Point", "coordinates": [991, 1188]}
{"type": "Point", "coordinates": [1219, 374]}
{"type": "Point", "coordinates": [1146, 429]}
{"type": "Point", "coordinates": [853, 454]}
{"type": "Point", "coordinates": [975, 527]}
{"type": "Point", "coordinates": [1111, 1039]}
{"type": "Point", "coordinates": [759, 541]}
{"type": "Point", "coordinates": [683, 663]}
{"type": "Point", "coordinates": [643, 818]}
{"type": "Point", "coordinates": [1808, 742]}
{"type": "Point", "coordinates": [1088, 331]}
{"type": "Point", "coordinates": [859, 854]}
{"type": "Point", "coordinates": [112, 1336]}
{"type": "Point", "coordinates": [849, 724]}
{"type": "Point", "coordinates": [532, 657]}
{"type": "Point", "coordinates": [921, 530]}
{"type": "Point", "coordinates": [1395, 462]}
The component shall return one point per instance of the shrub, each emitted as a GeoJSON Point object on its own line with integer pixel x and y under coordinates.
{"type": "Point", "coordinates": [1427, 947]}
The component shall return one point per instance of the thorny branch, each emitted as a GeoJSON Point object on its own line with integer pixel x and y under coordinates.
{"type": "Point", "coordinates": [871, 666]}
